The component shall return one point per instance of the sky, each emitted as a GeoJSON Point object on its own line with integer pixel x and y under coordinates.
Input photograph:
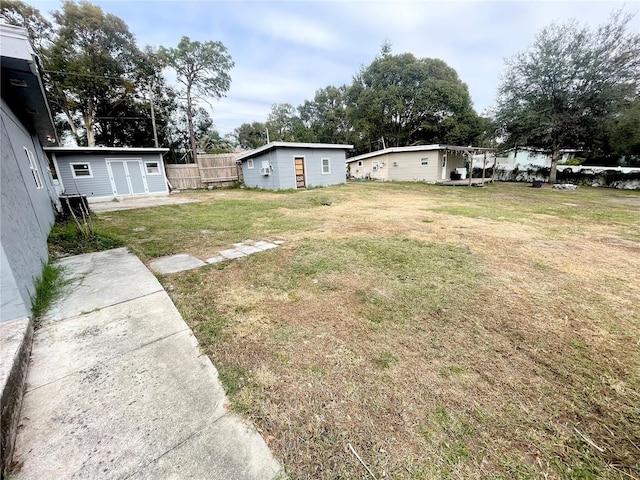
{"type": "Point", "coordinates": [286, 50]}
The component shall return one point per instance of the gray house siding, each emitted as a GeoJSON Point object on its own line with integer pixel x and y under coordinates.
{"type": "Point", "coordinates": [313, 166]}
{"type": "Point", "coordinates": [99, 185]}
{"type": "Point", "coordinates": [156, 183]}
{"type": "Point", "coordinates": [27, 214]}
{"type": "Point", "coordinates": [253, 177]}
{"type": "Point", "coordinates": [282, 161]}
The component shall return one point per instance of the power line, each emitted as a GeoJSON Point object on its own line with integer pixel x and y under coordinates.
{"type": "Point", "coordinates": [123, 118]}
{"type": "Point", "coordinates": [91, 75]}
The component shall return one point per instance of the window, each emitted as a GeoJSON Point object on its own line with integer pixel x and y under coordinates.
{"type": "Point", "coordinates": [153, 168]}
{"type": "Point", "coordinates": [424, 162]}
{"type": "Point", "coordinates": [81, 170]}
{"type": "Point", "coordinates": [359, 163]}
{"type": "Point", "coordinates": [33, 165]}
{"type": "Point", "coordinates": [375, 166]}
{"type": "Point", "coordinates": [250, 163]}
{"type": "Point", "coordinates": [326, 166]}
{"type": "Point", "coordinates": [444, 161]}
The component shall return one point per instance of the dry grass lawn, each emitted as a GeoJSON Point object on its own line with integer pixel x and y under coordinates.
{"type": "Point", "coordinates": [441, 332]}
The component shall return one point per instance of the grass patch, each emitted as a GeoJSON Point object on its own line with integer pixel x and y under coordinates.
{"type": "Point", "coordinates": [66, 239]}
{"type": "Point", "coordinates": [439, 348]}
{"type": "Point", "coordinates": [385, 360]}
{"type": "Point", "coordinates": [48, 287]}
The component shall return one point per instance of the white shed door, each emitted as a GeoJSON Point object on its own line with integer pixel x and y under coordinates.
{"type": "Point", "coordinates": [127, 177]}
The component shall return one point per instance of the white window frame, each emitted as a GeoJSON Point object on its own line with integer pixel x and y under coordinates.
{"type": "Point", "coordinates": [33, 165]}
{"type": "Point", "coordinates": [146, 168]}
{"type": "Point", "coordinates": [250, 164]}
{"type": "Point", "coordinates": [73, 172]}
{"type": "Point", "coordinates": [424, 161]}
{"type": "Point", "coordinates": [328, 165]}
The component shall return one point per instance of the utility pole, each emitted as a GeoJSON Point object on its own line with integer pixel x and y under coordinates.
{"type": "Point", "coordinates": [153, 119]}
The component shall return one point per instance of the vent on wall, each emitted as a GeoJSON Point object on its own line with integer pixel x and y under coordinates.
{"type": "Point", "coordinates": [396, 163]}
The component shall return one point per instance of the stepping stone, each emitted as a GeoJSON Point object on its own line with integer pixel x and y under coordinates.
{"type": "Point", "coordinates": [175, 263]}
{"type": "Point", "coordinates": [232, 253]}
{"type": "Point", "coordinates": [217, 259]}
{"type": "Point", "coordinates": [278, 242]}
{"type": "Point", "coordinates": [262, 245]}
{"type": "Point", "coordinates": [248, 249]}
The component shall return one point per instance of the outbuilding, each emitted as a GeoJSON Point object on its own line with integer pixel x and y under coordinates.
{"type": "Point", "coordinates": [423, 163]}
{"type": "Point", "coordinates": [103, 173]}
{"type": "Point", "coordinates": [288, 165]}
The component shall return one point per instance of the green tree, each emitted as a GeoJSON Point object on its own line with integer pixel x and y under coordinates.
{"type": "Point", "coordinates": [203, 69]}
{"type": "Point", "coordinates": [128, 121]}
{"type": "Point", "coordinates": [250, 135]}
{"type": "Point", "coordinates": [92, 58]}
{"type": "Point", "coordinates": [407, 100]}
{"type": "Point", "coordinates": [325, 117]}
{"type": "Point", "coordinates": [561, 91]}
{"type": "Point", "coordinates": [623, 130]}
{"type": "Point", "coordinates": [284, 124]}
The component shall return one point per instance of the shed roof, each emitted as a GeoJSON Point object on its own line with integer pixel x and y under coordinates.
{"type": "Point", "coordinates": [421, 148]}
{"type": "Point", "coordinates": [117, 150]}
{"type": "Point", "coordinates": [273, 145]}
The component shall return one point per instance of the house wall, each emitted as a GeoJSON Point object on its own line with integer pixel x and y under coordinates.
{"type": "Point", "coordinates": [252, 176]}
{"type": "Point", "coordinates": [410, 166]}
{"type": "Point", "coordinates": [528, 158]}
{"type": "Point", "coordinates": [156, 183]}
{"type": "Point", "coordinates": [366, 169]}
{"type": "Point", "coordinates": [283, 174]}
{"type": "Point", "coordinates": [27, 214]}
{"type": "Point", "coordinates": [407, 166]}
{"type": "Point", "coordinates": [99, 185]}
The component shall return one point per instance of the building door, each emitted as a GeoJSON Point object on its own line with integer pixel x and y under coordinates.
{"type": "Point", "coordinates": [137, 179]}
{"type": "Point", "coordinates": [444, 167]}
{"type": "Point", "coordinates": [127, 177]}
{"type": "Point", "coordinates": [300, 177]}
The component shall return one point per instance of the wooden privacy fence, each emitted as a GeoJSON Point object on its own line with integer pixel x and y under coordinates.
{"type": "Point", "coordinates": [216, 170]}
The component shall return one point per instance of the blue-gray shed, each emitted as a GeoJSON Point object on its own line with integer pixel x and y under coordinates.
{"type": "Point", "coordinates": [104, 173]}
{"type": "Point", "coordinates": [288, 165]}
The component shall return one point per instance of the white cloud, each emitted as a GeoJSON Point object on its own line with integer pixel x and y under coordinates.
{"type": "Point", "coordinates": [285, 50]}
{"type": "Point", "coordinates": [300, 30]}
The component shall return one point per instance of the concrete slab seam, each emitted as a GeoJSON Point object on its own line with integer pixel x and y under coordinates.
{"type": "Point", "coordinates": [174, 447]}
{"type": "Point", "coordinates": [189, 437]}
{"type": "Point", "coordinates": [107, 360]}
{"type": "Point", "coordinates": [51, 323]}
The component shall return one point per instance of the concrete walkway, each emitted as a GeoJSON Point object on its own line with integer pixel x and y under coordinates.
{"type": "Point", "coordinates": [143, 201]}
{"type": "Point", "coordinates": [118, 389]}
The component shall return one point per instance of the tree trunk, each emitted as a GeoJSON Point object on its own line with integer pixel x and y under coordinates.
{"type": "Point", "coordinates": [192, 134]}
{"type": "Point", "coordinates": [87, 116]}
{"type": "Point", "coordinates": [554, 161]}
{"type": "Point", "coordinates": [72, 125]}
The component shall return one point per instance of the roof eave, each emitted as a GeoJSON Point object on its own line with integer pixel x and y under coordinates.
{"type": "Point", "coordinates": [273, 145]}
